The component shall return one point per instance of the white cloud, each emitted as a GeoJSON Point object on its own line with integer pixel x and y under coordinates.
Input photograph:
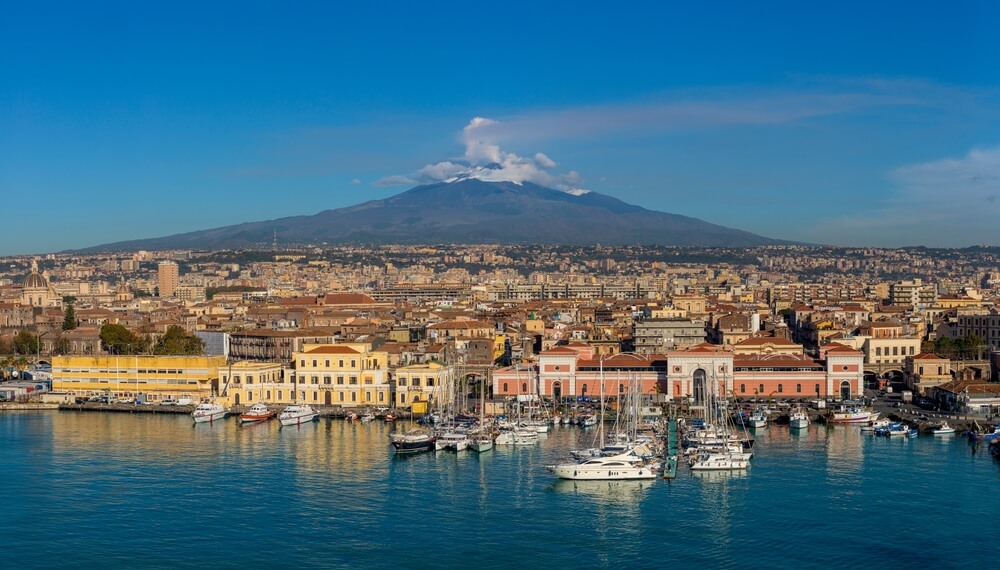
{"type": "Point", "coordinates": [355, 182]}
{"type": "Point", "coordinates": [485, 160]}
{"type": "Point", "coordinates": [950, 202]}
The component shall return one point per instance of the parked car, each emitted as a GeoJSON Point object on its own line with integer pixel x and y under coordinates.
{"type": "Point", "coordinates": [170, 402]}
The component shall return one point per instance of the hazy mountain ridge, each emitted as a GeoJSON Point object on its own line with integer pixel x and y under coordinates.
{"type": "Point", "coordinates": [468, 211]}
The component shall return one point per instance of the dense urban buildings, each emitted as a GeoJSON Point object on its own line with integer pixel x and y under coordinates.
{"type": "Point", "coordinates": [416, 326]}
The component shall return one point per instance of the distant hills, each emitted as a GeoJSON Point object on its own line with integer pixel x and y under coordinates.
{"type": "Point", "coordinates": [468, 211]}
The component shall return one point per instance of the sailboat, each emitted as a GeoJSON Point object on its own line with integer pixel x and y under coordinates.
{"type": "Point", "coordinates": [482, 439]}
{"type": "Point", "coordinates": [724, 451]}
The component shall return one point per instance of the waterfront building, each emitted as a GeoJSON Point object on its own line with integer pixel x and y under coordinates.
{"type": "Point", "coordinates": [268, 345]}
{"type": "Point", "coordinates": [924, 371]}
{"type": "Point", "coordinates": [346, 375]}
{"type": "Point", "coordinates": [420, 386]}
{"type": "Point", "coordinates": [247, 383]}
{"type": "Point", "coordinates": [157, 378]}
{"type": "Point", "coordinates": [687, 375]}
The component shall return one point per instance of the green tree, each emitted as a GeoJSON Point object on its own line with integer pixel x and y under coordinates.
{"type": "Point", "coordinates": [176, 341]}
{"type": "Point", "coordinates": [69, 320]}
{"type": "Point", "coordinates": [26, 343]}
{"type": "Point", "coordinates": [117, 339]}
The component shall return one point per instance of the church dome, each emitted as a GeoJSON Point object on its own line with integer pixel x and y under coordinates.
{"type": "Point", "coordinates": [34, 280]}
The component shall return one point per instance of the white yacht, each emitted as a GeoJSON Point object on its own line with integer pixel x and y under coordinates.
{"type": "Point", "coordinates": [517, 436]}
{"type": "Point", "coordinates": [297, 414]}
{"type": "Point", "coordinates": [209, 412]}
{"type": "Point", "coordinates": [724, 461]}
{"type": "Point", "coordinates": [453, 440]}
{"type": "Point", "coordinates": [604, 469]}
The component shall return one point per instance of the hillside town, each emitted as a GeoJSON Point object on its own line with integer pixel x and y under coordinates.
{"type": "Point", "coordinates": [415, 327]}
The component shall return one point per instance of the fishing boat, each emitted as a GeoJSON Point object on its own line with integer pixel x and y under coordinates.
{"type": "Point", "coordinates": [367, 417]}
{"type": "Point", "coordinates": [297, 415]}
{"type": "Point", "coordinates": [875, 425]}
{"type": "Point", "coordinates": [257, 413]}
{"type": "Point", "coordinates": [412, 441]}
{"type": "Point", "coordinates": [851, 415]}
{"type": "Point", "coordinates": [943, 429]}
{"type": "Point", "coordinates": [209, 412]}
{"type": "Point", "coordinates": [798, 419]}
{"type": "Point", "coordinates": [757, 419]}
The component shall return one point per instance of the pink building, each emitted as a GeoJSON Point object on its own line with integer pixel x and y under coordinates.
{"type": "Point", "coordinates": [685, 375]}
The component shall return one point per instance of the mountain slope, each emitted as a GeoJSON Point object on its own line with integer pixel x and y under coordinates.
{"type": "Point", "coordinates": [469, 211]}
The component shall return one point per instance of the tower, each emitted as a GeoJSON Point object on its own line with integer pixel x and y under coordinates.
{"type": "Point", "coordinates": [168, 277]}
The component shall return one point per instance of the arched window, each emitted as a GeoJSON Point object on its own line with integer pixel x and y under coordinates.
{"type": "Point", "coordinates": [505, 387]}
{"type": "Point", "coordinates": [524, 387]}
{"type": "Point", "coordinates": [817, 389]}
{"type": "Point", "coordinates": [798, 388]}
{"type": "Point", "coordinates": [780, 389]}
{"type": "Point", "coordinates": [761, 389]}
{"type": "Point", "coordinates": [621, 388]}
{"type": "Point", "coordinates": [743, 388]}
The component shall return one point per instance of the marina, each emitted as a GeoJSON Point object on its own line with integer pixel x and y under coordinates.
{"type": "Point", "coordinates": [235, 490]}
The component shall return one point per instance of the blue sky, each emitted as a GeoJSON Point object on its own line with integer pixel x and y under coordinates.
{"type": "Point", "coordinates": [872, 123]}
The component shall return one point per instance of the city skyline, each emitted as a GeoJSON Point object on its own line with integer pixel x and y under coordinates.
{"type": "Point", "coordinates": [875, 125]}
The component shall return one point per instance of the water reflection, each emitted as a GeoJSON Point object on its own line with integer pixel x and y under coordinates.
{"type": "Point", "coordinates": [616, 492]}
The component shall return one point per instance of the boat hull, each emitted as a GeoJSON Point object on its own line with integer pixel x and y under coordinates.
{"type": "Point", "coordinates": [207, 418]}
{"type": "Point", "coordinates": [413, 446]}
{"type": "Point", "coordinates": [581, 473]}
{"type": "Point", "coordinates": [298, 420]}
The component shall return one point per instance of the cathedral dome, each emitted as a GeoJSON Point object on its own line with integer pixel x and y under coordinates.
{"type": "Point", "coordinates": [34, 280]}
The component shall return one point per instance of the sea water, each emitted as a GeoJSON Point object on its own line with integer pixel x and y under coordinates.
{"type": "Point", "coordinates": [89, 489]}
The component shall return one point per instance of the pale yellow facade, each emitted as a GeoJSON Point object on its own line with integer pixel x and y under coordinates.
{"type": "Point", "coordinates": [348, 375]}
{"type": "Point", "coordinates": [125, 377]}
{"type": "Point", "coordinates": [431, 382]}
{"type": "Point", "coordinates": [247, 383]}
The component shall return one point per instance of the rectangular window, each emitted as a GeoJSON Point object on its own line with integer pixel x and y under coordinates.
{"type": "Point", "coordinates": [402, 381]}
{"type": "Point", "coordinates": [314, 364]}
{"type": "Point", "coordinates": [315, 396]}
{"type": "Point", "coordinates": [341, 396]}
{"type": "Point", "coordinates": [354, 379]}
{"type": "Point", "coordinates": [340, 380]}
{"type": "Point", "coordinates": [314, 379]}
{"type": "Point", "coordinates": [341, 365]}
{"type": "Point", "coordinates": [416, 381]}
{"type": "Point", "coordinates": [302, 363]}
{"type": "Point", "coordinates": [354, 396]}
{"type": "Point", "coordinates": [326, 380]}
{"type": "Point", "coordinates": [354, 363]}
{"type": "Point", "coordinates": [327, 363]}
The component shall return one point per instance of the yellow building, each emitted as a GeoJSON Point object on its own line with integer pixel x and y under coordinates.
{"type": "Point", "coordinates": [125, 377]}
{"type": "Point", "coordinates": [247, 383]}
{"type": "Point", "coordinates": [347, 375]}
{"type": "Point", "coordinates": [428, 383]}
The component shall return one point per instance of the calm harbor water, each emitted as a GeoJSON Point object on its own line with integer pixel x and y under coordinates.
{"type": "Point", "coordinates": [120, 490]}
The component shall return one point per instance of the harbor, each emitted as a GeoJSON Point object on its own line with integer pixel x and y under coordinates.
{"type": "Point", "coordinates": [176, 494]}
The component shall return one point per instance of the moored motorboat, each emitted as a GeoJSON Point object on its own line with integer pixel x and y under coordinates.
{"type": "Point", "coordinates": [943, 429]}
{"type": "Point", "coordinates": [852, 415]}
{"type": "Point", "coordinates": [297, 415]}
{"type": "Point", "coordinates": [209, 412]}
{"type": "Point", "coordinates": [604, 469]}
{"type": "Point", "coordinates": [257, 413]}
{"type": "Point", "coordinates": [412, 441]}
{"type": "Point", "coordinates": [798, 420]}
